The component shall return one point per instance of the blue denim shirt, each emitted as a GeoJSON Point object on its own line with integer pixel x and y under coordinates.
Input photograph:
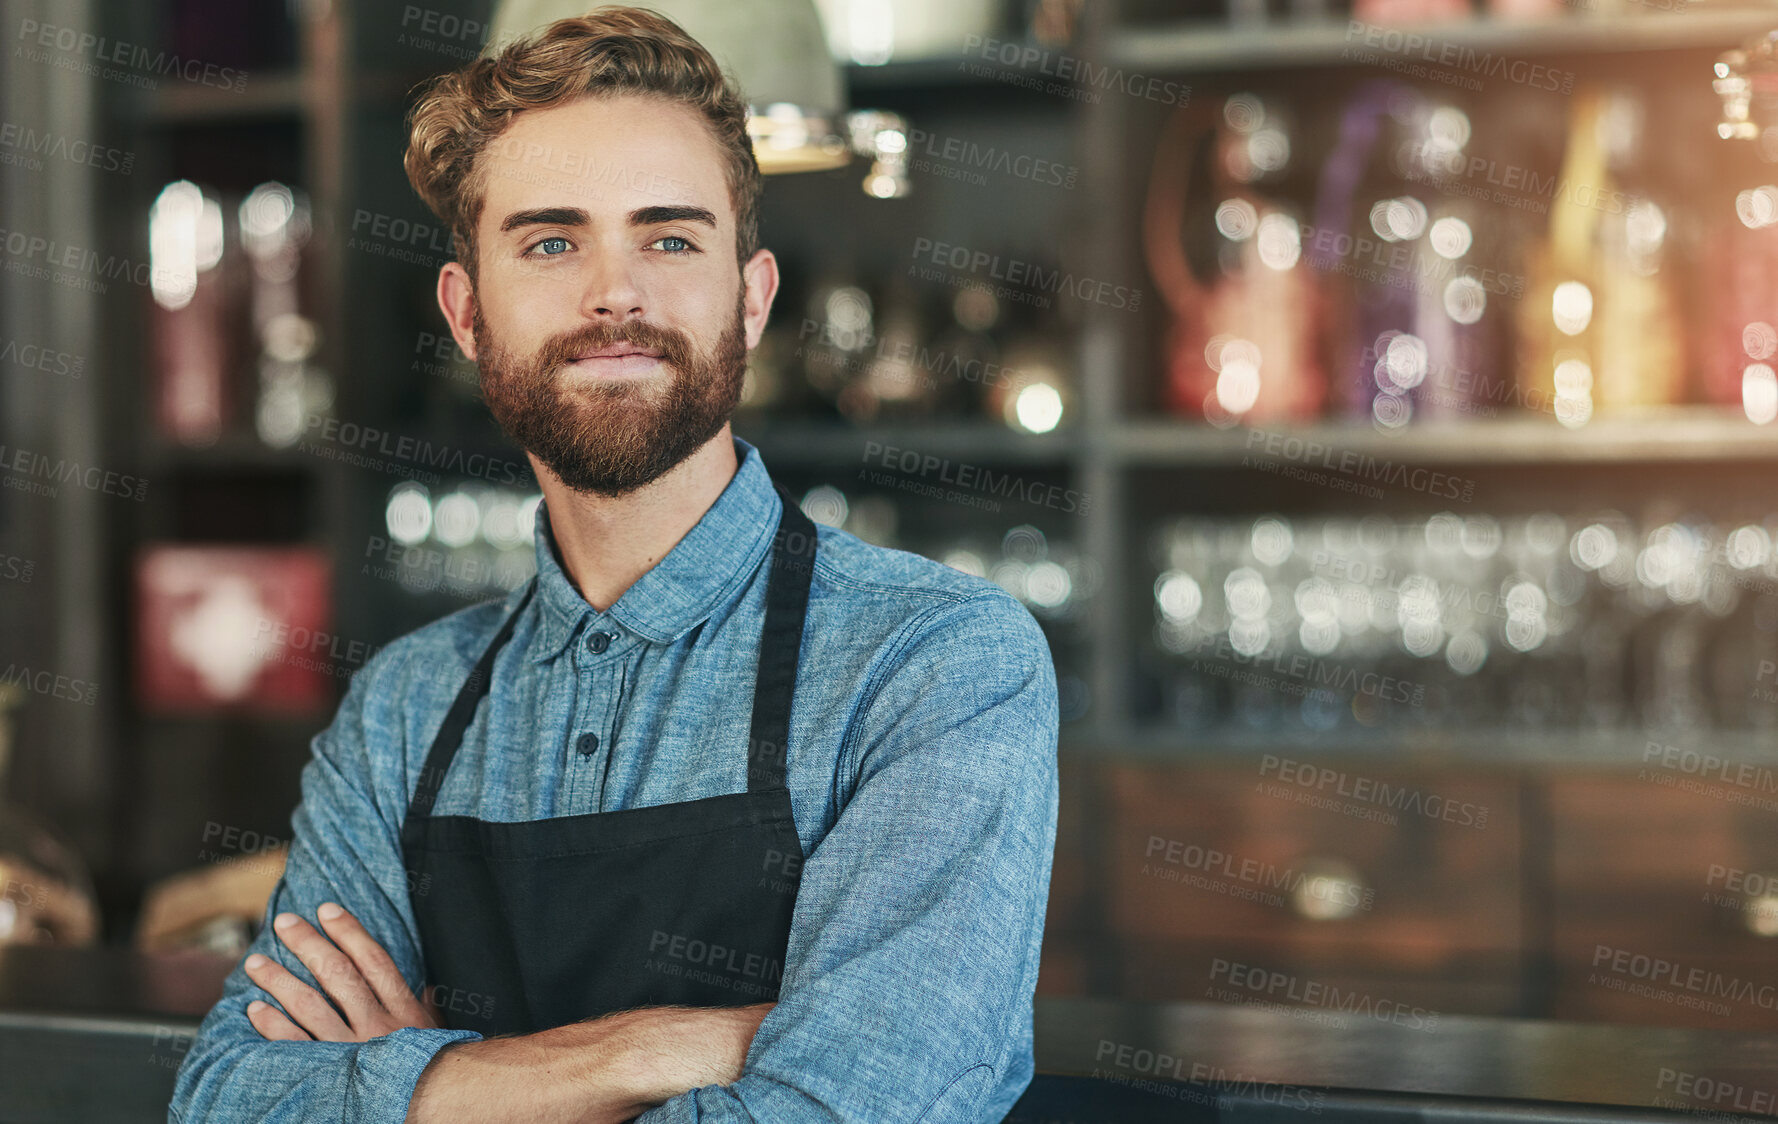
{"type": "Point", "coordinates": [922, 774]}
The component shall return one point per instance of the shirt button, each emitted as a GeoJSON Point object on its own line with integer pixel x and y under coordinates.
{"type": "Point", "coordinates": [587, 745]}
{"type": "Point", "coordinates": [599, 641]}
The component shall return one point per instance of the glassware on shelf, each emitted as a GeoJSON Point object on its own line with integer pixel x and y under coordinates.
{"type": "Point", "coordinates": [1050, 575]}
{"type": "Point", "coordinates": [1302, 626]}
{"type": "Point", "coordinates": [470, 541]}
{"type": "Point", "coordinates": [892, 379]}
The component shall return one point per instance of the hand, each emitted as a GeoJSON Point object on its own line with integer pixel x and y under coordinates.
{"type": "Point", "coordinates": [357, 975]}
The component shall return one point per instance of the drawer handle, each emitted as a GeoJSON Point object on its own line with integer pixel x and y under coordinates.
{"type": "Point", "coordinates": [1331, 889]}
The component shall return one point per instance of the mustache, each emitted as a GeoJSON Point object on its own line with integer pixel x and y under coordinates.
{"type": "Point", "coordinates": [560, 350]}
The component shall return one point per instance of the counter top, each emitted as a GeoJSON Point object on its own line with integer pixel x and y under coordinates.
{"type": "Point", "coordinates": [97, 1035]}
{"type": "Point", "coordinates": [1368, 1068]}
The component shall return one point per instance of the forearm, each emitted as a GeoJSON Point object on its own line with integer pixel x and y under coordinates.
{"type": "Point", "coordinates": [597, 1072]}
{"type": "Point", "coordinates": [234, 1075]}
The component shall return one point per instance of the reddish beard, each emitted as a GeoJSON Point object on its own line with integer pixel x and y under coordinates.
{"type": "Point", "coordinates": [610, 438]}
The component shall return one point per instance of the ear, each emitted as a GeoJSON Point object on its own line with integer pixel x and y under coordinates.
{"type": "Point", "coordinates": [759, 278]}
{"type": "Point", "coordinates": [456, 299]}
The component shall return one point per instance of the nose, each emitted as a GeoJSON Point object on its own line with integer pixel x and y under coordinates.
{"type": "Point", "coordinates": [611, 291]}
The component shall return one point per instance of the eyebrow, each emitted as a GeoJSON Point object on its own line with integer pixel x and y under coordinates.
{"type": "Point", "coordinates": [575, 216]}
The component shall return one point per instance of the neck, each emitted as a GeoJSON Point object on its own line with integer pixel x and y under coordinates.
{"type": "Point", "coordinates": [607, 543]}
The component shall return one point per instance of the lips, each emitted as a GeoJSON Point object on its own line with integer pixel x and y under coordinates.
{"type": "Point", "coordinates": [619, 350]}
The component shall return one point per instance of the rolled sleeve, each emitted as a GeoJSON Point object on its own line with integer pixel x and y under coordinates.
{"type": "Point", "coordinates": [345, 848]}
{"type": "Point", "coordinates": [913, 952]}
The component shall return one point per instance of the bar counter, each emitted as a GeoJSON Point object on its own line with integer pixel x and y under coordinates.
{"type": "Point", "coordinates": [95, 1036]}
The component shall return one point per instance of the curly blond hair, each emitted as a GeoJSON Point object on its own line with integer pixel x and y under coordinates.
{"type": "Point", "coordinates": [608, 51]}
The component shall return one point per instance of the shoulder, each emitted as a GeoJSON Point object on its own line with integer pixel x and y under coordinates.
{"type": "Point", "coordinates": [429, 656]}
{"type": "Point", "coordinates": [911, 590]}
{"type": "Point", "coordinates": [395, 703]}
{"type": "Point", "coordinates": [928, 625]}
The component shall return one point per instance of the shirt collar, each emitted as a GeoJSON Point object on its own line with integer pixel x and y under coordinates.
{"type": "Point", "coordinates": [703, 570]}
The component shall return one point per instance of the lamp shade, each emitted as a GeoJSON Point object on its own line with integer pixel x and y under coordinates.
{"type": "Point", "coordinates": [775, 50]}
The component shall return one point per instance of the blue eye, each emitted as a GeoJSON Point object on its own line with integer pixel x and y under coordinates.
{"type": "Point", "coordinates": [685, 245]}
{"type": "Point", "coordinates": [562, 243]}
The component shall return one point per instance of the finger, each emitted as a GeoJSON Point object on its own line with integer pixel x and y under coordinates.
{"type": "Point", "coordinates": [372, 960]}
{"type": "Point", "coordinates": [332, 969]}
{"type": "Point", "coordinates": [302, 1002]}
{"type": "Point", "coordinates": [271, 1023]}
{"type": "Point", "coordinates": [429, 999]}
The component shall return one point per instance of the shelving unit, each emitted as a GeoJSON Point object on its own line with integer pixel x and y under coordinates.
{"type": "Point", "coordinates": [180, 771]}
{"type": "Point", "coordinates": [1112, 439]}
{"type": "Point", "coordinates": [1129, 937]}
{"type": "Point", "coordinates": [1682, 434]}
{"type": "Point", "coordinates": [1186, 47]}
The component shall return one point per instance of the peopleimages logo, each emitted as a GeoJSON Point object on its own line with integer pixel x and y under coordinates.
{"type": "Point", "coordinates": [38, 474]}
{"type": "Point", "coordinates": [28, 143]}
{"type": "Point", "coordinates": [1656, 978]}
{"type": "Point", "coordinates": [1368, 42]}
{"type": "Point", "coordinates": [133, 56]}
{"type": "Point", "coordinates": [1034, 283]}
{"type": "Point", "coordinates": [1274, 986]}
{"type": "Point", "coordinates": [962, 474]}
{"type": "Point", "coordinates": [1181, 859]}
{"type": "Point", "coordinates": [369, 447]}
{"type": "Point", "coordinates": [1400, 798]}
{"type": "Point", "coordinates": [966, 159]}
{"type": "Point", "coordinates": [1722, 1096]}
{"type": "Point", "coordinates": [1151, 1071]}
{"type": "Point", "coordinates": [1072, 72]}
{"type": "Point", "coordinates": [1353, 465]}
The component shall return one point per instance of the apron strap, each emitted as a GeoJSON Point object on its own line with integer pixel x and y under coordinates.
{"type": "Point", "coordinates": [780, 645]}
{"type": "Point", "coordinates": [457, 719]}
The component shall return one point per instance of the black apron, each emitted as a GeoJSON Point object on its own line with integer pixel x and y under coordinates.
{"type": "Point", "coordinates": [530, 925]}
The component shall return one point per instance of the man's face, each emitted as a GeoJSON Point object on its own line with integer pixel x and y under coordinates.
{"type": "Point", "coordinates": [609, 318]}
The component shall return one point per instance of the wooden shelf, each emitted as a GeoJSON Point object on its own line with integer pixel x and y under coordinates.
{"type": "Point", "coordinates": [817, 444]}
{"type": "Point", "coordinates": [1215, 47]}
{"type": "Point", "coordinates": [275, 94]}
{"type": "Point", "coordinates": [1678, 434]}
{"type": "Point", "coordinates": [1474, 746]}
{"type": "Point", "coordinates": [945, 71]}
{"type": "Point", "coordinates": [1687, 433]}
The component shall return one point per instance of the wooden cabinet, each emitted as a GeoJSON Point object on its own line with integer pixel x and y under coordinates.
{"type": "Point", "coordinates": [1607, 895]}
{"type": "Point", "coordinates": [1661, 886]}
{"type": "Point", "coordinates": [1216, 853]}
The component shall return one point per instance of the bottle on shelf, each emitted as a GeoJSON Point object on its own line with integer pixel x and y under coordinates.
{"type": "Point", "coordinates": [1242, 340]}
{"type": "Point", "coordinates": [293, 391]}
{"type": "Point", "coordinates": [1600, 327]}
{"type": "Point", "coordinates": [191, 272]}
{"type": "Point", "coordinates": [1411, 333]}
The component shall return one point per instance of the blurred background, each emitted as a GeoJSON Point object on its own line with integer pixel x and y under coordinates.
{"type": "Point", "coordinates": [1373, 401]}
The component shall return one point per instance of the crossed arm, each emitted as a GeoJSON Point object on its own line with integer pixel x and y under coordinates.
{"type": "Point", "coordinates": [348, 1035]}
{"type": "Point", "coordinates": [607, 1069]}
